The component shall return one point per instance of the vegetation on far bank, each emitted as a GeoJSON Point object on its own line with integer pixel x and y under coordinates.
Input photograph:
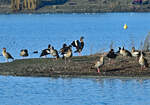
{"type": "Point", "coordinates": [79, 6]}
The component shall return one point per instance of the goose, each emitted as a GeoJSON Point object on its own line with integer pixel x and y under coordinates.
{"type": "Point", "coordinates": [99, 63]}
{"type": "Point", "coordinates": [111, 55]}
{"type": "Point", "coordinates": [118, 52]}
{"type": "Point", "coordinates": [125, 52]}
{"type": "Point", "coordinates": [24, 53]}
{"type": "Point", "coordinates": [142, 61]}
{"type": "Point", "coordinates": [45, 51]}
{"type": "Point", "coordinates": [136, 53]}
{"type": "Point", "coordinates": [54, 52]}
{"type": "Point", "coordinates": [6, 54]}
{"type": "Point", "coordinates": [64, 49]}
{"type": "Point", "coordinates": [68, 54]}
{"type": "Point", "coordinates": [78, 45]}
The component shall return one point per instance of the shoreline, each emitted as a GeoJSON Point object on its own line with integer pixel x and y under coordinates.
{"type": "Point", "coordinates": [79, 66]}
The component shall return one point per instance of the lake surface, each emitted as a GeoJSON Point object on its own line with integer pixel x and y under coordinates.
{"type": "Point", "coordinates": [36, 31]}
{"type": "Point", "coordinates": [73, 91]}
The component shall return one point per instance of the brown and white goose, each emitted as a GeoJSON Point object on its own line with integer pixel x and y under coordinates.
{"type": "Point", "coordinates": [64, 49]}
{"type": "Point", "coordinates": [6, 54]}
{"type": "Point", "coordinates": [99, 63]}
{"type": "Point", "coordinates": [54, 52]}
{"type": "Point", "coordinates": [125, 52]}
{"type": "Point", "coordinates": [142, 61]}
{"type": "Point", "coordinates": [68, 54]}
{"type": "Point", "coordinates": [45, 52]}
{"type": "Point", "coordinates": [78, 45]}
{"type": "Point", "coordinates": [24, 53]}
{"type": "Point", "coordinates": [136, 53]}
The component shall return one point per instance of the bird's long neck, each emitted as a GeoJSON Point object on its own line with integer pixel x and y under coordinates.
{"type": "Point", "coordinates": [102, 59]}
{"type": "Point", "coordinates": [141, 55]}
{"type": "Point", "coordinates": [82, 43]}
{"type": "Point", "coordinates": [4, 51]}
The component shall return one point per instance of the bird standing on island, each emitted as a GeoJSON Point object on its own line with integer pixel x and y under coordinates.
{"type": "Point", "coordinates": [111, 55]}
{"type": "Point", "coordinates": [46, 51]}
{"type": "Point", "coordinates": [6, 55]}
{"type": "Point", "coordinates": [136, 53]}
{"type": "Point", "coordinates": [54, 52]}
{"type": "Point", "coordinates": [142, 61]}
{"type": "Point", "coordinates": [78, 45]}
{"type": "Point", "coordinates": [24, 53]}
{"type": "Point", "coordinates": [125, 52]}
{"type": "Point", "coordinates": [64, 49]}
{"type": "Point", "coordinates": [68, 53]}
{"type": "Point", "coordinates": [100, 63]}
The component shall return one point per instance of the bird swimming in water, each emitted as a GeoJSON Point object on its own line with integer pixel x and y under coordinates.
{"type": "Point", "coordinates": [78, 45]}
{"type": "Point", "coordinates": [111, 55]}
{"type": "Point", "coordinates": [143, 61]}
{"type": "Point", "coordinates": [6, 54]}
{"type": "Point", "coordinates": [45, 52]}
{"type": "Point", "coordinates": [24, 53]}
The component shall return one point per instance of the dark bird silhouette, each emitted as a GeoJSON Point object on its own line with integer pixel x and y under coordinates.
{"type": "Point", "coordinates": [45, 52]}
{"type": "Point", "coordinates": [6, 54]}
{"type": "Point", "coordinates": [111, 55]}
{"type": "Point", "coordinates": [78, 45]}
{"type": "Point", "coordinates": [35, 52]}
{"type": "Point", "coordinates": [24, 53]}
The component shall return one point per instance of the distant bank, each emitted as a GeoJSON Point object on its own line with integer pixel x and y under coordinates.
{"type": "Point", "coordinates": [79, 6]}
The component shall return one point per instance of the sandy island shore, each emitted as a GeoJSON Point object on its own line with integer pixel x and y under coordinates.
{"type": "Point", "coordinates": [78, 66]}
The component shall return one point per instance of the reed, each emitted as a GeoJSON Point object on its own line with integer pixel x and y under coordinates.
{"type": "Point", "coordinates": [147, 43]}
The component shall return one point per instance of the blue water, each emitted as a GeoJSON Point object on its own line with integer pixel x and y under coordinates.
{"type": "Point", "coordinates": [73, 91]}
{"type": "Point", "coordinates": [36, 31]}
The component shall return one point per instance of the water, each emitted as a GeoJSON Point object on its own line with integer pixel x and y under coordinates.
{"type": "Point", "coordinates": [73, 91]}
{"type": "Point", "coordinates": [35, 32]}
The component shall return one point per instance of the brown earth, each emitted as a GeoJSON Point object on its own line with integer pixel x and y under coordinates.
{"type": "Point", "coordinates": [77, 66]}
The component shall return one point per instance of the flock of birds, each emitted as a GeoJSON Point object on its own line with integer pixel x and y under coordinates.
{"type": "Point", "coordinates": [122, 51]}
{"type": "Point", "coordinates": [66, 52]}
